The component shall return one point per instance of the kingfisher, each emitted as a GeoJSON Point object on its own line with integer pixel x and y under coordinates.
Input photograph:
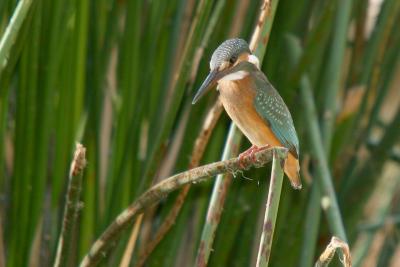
{"type": "Point", "coordinates": [252, 103]}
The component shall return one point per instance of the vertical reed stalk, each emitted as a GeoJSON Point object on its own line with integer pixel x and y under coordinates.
{"type": "Point", "coordinates": [72, 206]}
{"type": "Point", "coordinates": [272, 206]}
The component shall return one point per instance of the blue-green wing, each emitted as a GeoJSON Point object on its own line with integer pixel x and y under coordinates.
{"type": "Point", "coordinates": [270, 106]}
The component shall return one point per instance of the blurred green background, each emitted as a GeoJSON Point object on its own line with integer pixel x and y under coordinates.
{"type": "Point", "coordinates": [119, 77]}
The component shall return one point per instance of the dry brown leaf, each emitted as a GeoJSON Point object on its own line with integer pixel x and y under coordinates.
{"type": "Point", "coordinates": [330, 250]}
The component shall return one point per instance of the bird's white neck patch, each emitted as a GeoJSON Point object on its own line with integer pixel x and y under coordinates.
{"type": "Point", "coordinates": [253, 59]}
{"type": "Point", "coordinates": [235, 76]}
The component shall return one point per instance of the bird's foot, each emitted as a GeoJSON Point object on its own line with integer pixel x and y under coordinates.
{"type": "Point", "coordinates": [245, 154]}
{"type": "Point", "coordinates": [250, 152]}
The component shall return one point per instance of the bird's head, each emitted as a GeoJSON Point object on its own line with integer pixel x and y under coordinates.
{"type": "Point", "coordinates": [227, 64]}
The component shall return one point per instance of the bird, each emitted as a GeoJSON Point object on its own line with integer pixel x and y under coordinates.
{"type": "Point", "coordinates": [252, 103]}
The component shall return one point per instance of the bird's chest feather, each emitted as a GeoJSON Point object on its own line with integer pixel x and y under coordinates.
{"type": "Point", "coordinates": [238, 100]}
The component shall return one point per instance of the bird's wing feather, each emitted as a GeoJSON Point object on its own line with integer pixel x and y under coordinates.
{"type": "Point", "coordinates": [271, 107]}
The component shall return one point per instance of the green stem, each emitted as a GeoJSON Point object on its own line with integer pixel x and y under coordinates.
{"type": "Point", "coordinates": [333, 70]}
{"type": "Point", "coordinates": [11, 32]}
{"type": "Point", "coordinates": [311, 226]}
{"type": "Point", "coordinates": [271, 212]}
{"type": "Point", "coordinates": [324, 177]}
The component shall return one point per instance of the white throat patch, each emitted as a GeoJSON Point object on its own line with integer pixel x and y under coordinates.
{"type": "Point", "coordinates": [235, 76]}
{"type": "Point", "coordinates": [253, 59]}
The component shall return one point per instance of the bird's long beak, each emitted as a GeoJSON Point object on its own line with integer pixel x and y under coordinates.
{"type": "Point", "coordinates": [208, 83]}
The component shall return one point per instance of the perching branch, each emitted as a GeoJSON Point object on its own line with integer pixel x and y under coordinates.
{"type": "Point", "coordinates": [71, 205]}
{"type": "Point", "coordinates": [163, 188]}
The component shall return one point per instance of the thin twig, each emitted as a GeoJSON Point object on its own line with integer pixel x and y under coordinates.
{"type": "Point", "coordinates": [162, 189]}
{"type": "Point", "coordinates": [271, 212]}
{"type": "Point", "coordinates": [130, 247]}
{"type": "Point", "coordinates": [71, 205]}
{"type": "Point", "coordinates": [260, 37]}
{"type": "Point", "coordinates": [330, 250]}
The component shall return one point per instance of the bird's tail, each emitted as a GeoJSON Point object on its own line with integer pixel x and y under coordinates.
{"type": "Point", "coordinates": [292, 170]}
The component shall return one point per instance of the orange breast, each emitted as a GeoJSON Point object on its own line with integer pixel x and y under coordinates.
{"type": "Point", "coordinates": [238, 100]}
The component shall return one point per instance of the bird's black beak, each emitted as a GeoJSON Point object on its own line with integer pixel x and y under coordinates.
{"type": "Point", "coordinates": [208, 83]}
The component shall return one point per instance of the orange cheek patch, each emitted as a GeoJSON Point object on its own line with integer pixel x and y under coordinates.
{"type": "Point", "coordinates": [242, 57]}
{"type": "Point", "coordinates": [223, 66]}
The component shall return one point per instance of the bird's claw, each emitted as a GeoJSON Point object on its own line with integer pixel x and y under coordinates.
{"type": "Point", "coordinates": [244, 154]}
{"type": "Point", "coordinates": [251, 151]}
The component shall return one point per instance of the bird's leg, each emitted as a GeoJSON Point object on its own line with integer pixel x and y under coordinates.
{"type": "Point", "coordinates": [258, 149]}
{"type": "Point", "coordinates": [245, 154]}
{"type": "Point", "coordinates": [251, 151]}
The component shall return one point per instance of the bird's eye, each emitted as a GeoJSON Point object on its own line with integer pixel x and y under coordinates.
{"type": "Point", "coordinates": [233, 59]}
